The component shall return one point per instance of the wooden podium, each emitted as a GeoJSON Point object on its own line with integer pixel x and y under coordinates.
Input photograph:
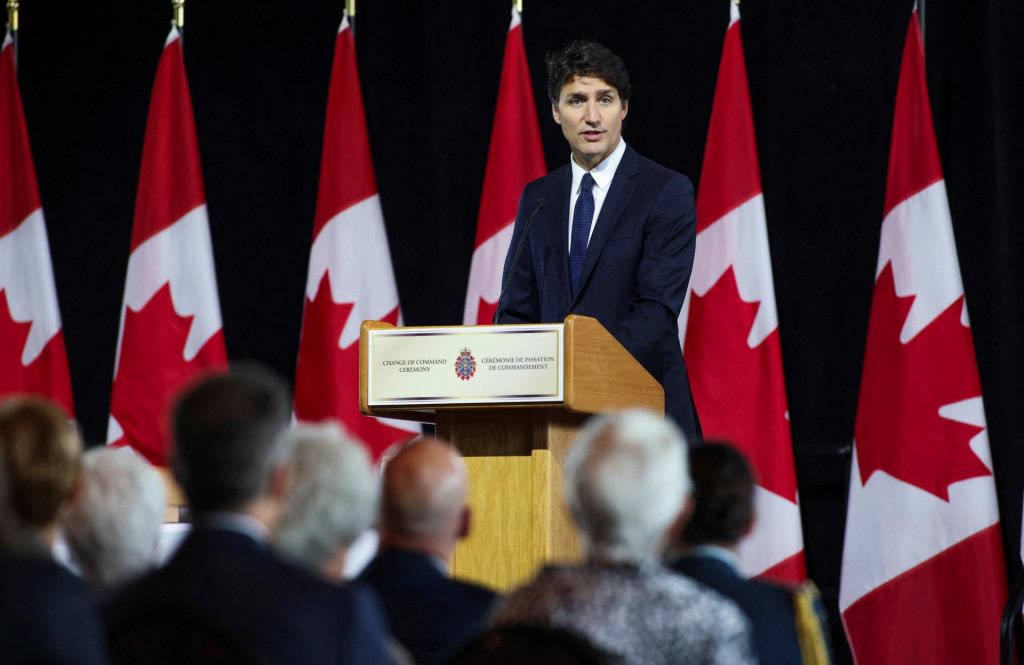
{"type": "Point", "coordinates": [514, 436]}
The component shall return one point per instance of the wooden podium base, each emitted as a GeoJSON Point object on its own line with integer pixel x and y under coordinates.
{"type": "Point", "coordinates": [515, 458]}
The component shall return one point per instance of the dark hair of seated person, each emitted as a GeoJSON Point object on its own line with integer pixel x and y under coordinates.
{"type": "Point", "coordinates": [512, 645]}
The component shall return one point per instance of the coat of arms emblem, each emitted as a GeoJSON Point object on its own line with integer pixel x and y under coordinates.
{"type": "Point", "coordinates": [465, 365]}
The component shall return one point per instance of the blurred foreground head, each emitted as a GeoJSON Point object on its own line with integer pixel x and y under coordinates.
{"type": "Point", "coordinates": [627, 484]}
{"type": "Point", "coordinates": [423, 506]}
{"type": "Point", "coordinates": [230, 438]}
{"type": "Point", "coordinates": [112, 526]}
{"type": "Point", "coordinates": [333, 498]}
{"type": "Point", "coordinates": [42, 455]}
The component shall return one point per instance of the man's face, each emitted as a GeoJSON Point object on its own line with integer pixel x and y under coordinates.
{"type": "Point", "coordinates": [591, 114]}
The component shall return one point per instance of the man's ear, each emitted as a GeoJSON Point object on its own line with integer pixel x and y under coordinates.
{"type": "Point", "coordinates": [750, 524]}
{"type": "Point", "coordinates": [625, 109]}
{"type": "Point", "coordinates": [675, 531]}
{"type": "Point", "coordinates": [555, 114]}
{"type": "Point", "coordinates": [465, 522]}
{"type": "Point", "coordinates": [281, 478]}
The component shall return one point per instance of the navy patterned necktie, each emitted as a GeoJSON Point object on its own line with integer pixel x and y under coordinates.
{"type": "Point", "coordinates": [582, 218]}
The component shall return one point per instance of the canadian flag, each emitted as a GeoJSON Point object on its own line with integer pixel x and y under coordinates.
{"type": "Point", "coordinates": [350, 276]}
{"type": "Point", "coordinates": [170, 319]}
{"type": "Point", "coordinates": [513, 160]}
{"type": "Point", "coordinates": [32, 355]}
{"type": "Point", "coordinates": [729, 325]}
{"type": "Point", "coordinates": [923, 579]}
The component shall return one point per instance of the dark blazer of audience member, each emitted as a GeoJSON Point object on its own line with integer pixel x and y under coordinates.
{"type": "Point", "coordinates": [423, 515]}
{"type": "Point", "coordinates": [231, 458]}
{"type": "Point", "coordinates": [112, 525]}
{"type": "Point", "coordinates": [724, 514]}
{"type": "Point", "coordinates": [46, 614]}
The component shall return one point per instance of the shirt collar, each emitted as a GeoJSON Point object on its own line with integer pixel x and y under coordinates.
{"type": "Point", "coordinates": [236, 522]}
{"type": "Point", "coordinates": [715, 552]}
{"type": "Point", "coordinates": [603, 172]}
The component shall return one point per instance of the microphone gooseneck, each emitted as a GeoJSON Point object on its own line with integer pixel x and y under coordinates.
{"type": "Point", "coordinates": [515, 257]}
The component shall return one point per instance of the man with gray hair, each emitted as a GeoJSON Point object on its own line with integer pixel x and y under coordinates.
{"type": "Point", "coordinates": [112, 524]}
{"type": "Point", "coordinates": [334, 499]}
{"type": "Point", "coordinates": [224, 585]}
{"type": "Point", "coordinates": [423, 515]}
{"type": "Point", "coordinates": [628, 488]}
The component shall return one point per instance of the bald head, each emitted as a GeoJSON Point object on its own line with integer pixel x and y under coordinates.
{"type": "Point", "coordinates": [424, 497]}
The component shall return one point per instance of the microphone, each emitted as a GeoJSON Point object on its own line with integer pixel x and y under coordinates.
{"type": "Point", "coordinates": [515, 258]}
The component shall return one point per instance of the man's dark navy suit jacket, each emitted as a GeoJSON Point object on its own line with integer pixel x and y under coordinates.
{"type": "Point", "coordinates": [635, 274]}
{"type": "Point", "coordinates": [430, 613]}
{"type": "Point", "coordinates": [769, 607]}
{"type": "Point", "coordinates": [280, 613]}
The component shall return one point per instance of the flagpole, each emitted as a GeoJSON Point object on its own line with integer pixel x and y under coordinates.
{"type": "Point", "coordinates": [350, 8]}
{"type": "Point", "coordinates": [12, 22]}
{"type": "Point", "coordinates": [919, 8]}
{"type": "Point", "coordinates": [518, 4]}
{"type": "Point", "coordinates": [179, 14]}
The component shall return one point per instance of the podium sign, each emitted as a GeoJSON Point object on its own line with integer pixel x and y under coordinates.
{"type": "Point", "coordinates": [433, 366]}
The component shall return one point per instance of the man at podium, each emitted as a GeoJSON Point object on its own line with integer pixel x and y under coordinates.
{"type": "Point", "coordinates": [609, 235]}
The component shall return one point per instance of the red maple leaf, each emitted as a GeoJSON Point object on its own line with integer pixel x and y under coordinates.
{"type": "Point", "coordinates": [152, 369]}
{"type": "Point", "coordinates": [47, 375]}
{"type": "Point", "coordinates": [899, 429]}
{"type": "Point", "coordinates": [739, 391]}
{"type": "Point", "coordinates": [327, 377]}
{"type": "Point", "coordinates": [485, 315]}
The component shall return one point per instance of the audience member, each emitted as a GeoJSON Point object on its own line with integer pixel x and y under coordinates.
{"type": "Point", "coordinates": [724, 514]}
{"type": "Point", "coordinates": [46, 614]}
{"type": "Point", "coordinates": [627, 487]}
{"type": "Point", "coordinates": [112, 526]}
{"type": "Point", "coordinates": [231, 458]}
{"type": "Point", "coordinates": [333, 501]}
{"type": "Point", "coordinates": [423, 515]}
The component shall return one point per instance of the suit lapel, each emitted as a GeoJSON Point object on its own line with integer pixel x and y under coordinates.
{"type": "Point", "coordinates": [561, 245]}
{"type": "Point", "coordinates": [619, 193]}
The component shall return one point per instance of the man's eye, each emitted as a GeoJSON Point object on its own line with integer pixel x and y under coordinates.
{"type": "Point", "coordinates": [606, 100]}
{"type": "Point", "coordinates": [575, 102]}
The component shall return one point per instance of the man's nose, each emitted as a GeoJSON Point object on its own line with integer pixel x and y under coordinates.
{"type": "Point", "coordinates": [590, 114]}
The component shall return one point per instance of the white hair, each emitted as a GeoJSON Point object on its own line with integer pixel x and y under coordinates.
{"type": "Point", "coordinates": [113, 525]}
{"type": "Point", "coordinates": [627, 480]}
{"type": "Point", "coordinates": [334, 497]}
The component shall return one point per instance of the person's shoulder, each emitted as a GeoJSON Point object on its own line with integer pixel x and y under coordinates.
{"type": "Point", "coordinates": [652, 171]}
{"type": "Point", "coordinates": [547, 181]}
{"type": "Point", "coordinates": [474, 592]}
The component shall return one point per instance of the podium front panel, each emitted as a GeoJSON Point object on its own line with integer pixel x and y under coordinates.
{"type": "Point", "coordinates": [461, 366]}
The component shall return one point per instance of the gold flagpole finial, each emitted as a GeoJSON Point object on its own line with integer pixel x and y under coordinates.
{"type": "Point", "coordinates": [179, 13]}
{"type": "Point", "coordinates": [350, 8]}
{"type": "Point", "coordinates": [518, 4]}
{"type": "Point", "coordinates": [12, 14]}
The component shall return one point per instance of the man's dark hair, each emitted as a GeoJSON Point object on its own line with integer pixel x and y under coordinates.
{"type": "Point", "coordinates": [723, 489]}
{"type": "Point", "coordinates": [228, 436]}
{"type": "Point", "coordinates": [580, 58]}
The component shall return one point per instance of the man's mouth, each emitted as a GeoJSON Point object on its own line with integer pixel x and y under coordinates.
{"type": "Point", "coordinates": [593, 135]}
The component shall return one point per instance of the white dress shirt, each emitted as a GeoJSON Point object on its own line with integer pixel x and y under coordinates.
{"type": "Point", "coordinates": [602, 175]}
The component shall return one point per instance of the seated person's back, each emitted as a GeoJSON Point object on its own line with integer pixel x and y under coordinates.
{"type": "Point", "coordinates": [724, 514]}
{"type": "Point", "coordinates": [627, 486]}
{"type": "Point", "coordinates": [231, 458]}
{"type": "Point", "coordinates": [423, 514]}
{"type": "Point", "coordinates": [46, 614]}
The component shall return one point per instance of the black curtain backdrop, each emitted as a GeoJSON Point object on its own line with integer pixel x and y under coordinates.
{"type": "Point", "coordinates": [822, 77]}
